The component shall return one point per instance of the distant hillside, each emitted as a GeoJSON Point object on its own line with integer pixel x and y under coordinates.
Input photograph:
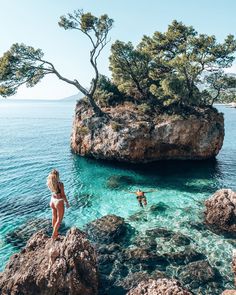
{"type": "Point", "coordinates": [72, 97]}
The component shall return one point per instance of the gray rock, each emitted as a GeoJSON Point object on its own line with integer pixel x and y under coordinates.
{"type": "Point", "coordinates": [119, 181]}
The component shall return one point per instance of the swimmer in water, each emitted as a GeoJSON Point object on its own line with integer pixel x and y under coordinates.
{"type": "Point", "coordinates": [142, 200]}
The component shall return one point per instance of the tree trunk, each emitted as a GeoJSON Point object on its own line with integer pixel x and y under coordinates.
{"type": "Point", "coordinates": [98, 112]}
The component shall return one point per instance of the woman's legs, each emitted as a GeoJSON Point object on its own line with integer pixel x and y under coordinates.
{"type": "Point", "coordinates": [54, 216]}
{"type": "Point", "coordinates": [60, 213]}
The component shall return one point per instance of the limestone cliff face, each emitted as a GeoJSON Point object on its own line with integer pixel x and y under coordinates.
{"type": "Point", "coordinates": [131, 136]}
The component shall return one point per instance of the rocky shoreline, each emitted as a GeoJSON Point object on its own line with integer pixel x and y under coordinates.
{"type": "Point", "coordinates": [138, 136]}
{"type": "Point", "coordinates": [112, 257]}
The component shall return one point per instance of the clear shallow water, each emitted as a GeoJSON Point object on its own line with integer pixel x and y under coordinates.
{"type": "Point", "coordinates": [35, 137]}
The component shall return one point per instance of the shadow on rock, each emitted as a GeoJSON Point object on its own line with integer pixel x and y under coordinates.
{"type": "Point", "coordinates": [200, 277]}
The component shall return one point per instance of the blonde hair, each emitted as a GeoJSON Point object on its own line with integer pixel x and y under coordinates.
{"type": "Point", "coordinates": [53, 181]}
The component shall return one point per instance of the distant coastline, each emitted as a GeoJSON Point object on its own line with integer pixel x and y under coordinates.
{"type": "Point", "coordinates": [72, 98]}
{"type": "Point", "coordinates": [231, 105]}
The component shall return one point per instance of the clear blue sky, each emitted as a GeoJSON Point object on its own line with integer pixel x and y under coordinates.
{"type": "Point", "coordinates": [35, 23]}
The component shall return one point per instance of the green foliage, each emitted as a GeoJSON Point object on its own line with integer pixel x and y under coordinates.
{"type": "Point", "coordinates": [170, 65]}
{"type": "Point", "coordinates": [178, 67]}
{"type": "Point", "coordinates": [21, 64]}
{"type": "Point", "coordinates": [87, 23]}
{"type": "Point", "coordinates": [221, 85]}
{"type": "Point", "coordinates": [107, 93]}
{"type": "Point", "coordinates": [130, 69]}
{"type": "Point", "coordinates": [144, 108]}
{"type": "Point", "coordinates": [227, 97]}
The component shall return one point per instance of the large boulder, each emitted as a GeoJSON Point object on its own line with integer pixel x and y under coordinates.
{"type": "Point", "coordinates": [159, 287]}
{"type": "Point", "coordinates": [220, 213]}
{"type": "Point", "coordinates": [131, 136]}
{"type": "Point", "coordinates": [199, 273]}
{"type": "Point", "coordinates": [47, 267]}
{"type": "Point", "coordinates": [107, 229]}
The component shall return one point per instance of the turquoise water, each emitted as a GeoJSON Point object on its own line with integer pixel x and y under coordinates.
{"type": "Point", "coordinates": [35, 137]}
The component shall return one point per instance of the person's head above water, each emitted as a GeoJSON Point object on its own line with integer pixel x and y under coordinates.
{"type": "Point", "coordinates": [53, 180]}
{"type": "Point", "coordinates": [139, 190]}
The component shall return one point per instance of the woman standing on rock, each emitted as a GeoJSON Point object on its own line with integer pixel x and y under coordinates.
{"type": "Point", "coordinates": [58, 199]}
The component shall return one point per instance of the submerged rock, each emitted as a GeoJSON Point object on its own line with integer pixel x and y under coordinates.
{"type": "Point", "coordinates": [234, 266]}
{"type": "Point", "coordinates": [185, 256]}
{"type": "Point", "coordinates": [232, 292]}
{"type": "Point", "coordinates": [159, 287]}
{"type": "Point", "coordinates": [143, 259]}
{"type": "Point", "coordinates": [158, 208]}
{"type": "Point", "coordinates": [197, 274]}
{"type": "Point", "coordinates": [131, 136]}
{"type": "Point", "coordinates": [43, 267]}
{"type": "Point", "coordinates": [175, 238]}
{"type": "Point", "coordinates": [133, 279]}
{"type": "Point", "coordinates": [107, 229]}
{"type": "Point", "coordinates": [220, 213]}
{"type": "Point", "coordinates": [119, 181]}
{"type": "Point", "coordinates": [145, 242]}
{"type": "Point", "coordinates": [159, 232]}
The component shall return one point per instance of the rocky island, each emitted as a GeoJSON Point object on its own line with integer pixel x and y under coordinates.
{"type": "Point", "coordinates": [158, 105]}
{"type": "Point", "coordinates": [140, 136]}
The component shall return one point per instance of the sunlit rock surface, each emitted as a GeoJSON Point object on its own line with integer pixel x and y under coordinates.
{"type": "Point", "coordinates": [131, 136]}
{"type": "Point", "coordinates": [45, 267]}
{"type": "Point", "coordinates": [220, 213]}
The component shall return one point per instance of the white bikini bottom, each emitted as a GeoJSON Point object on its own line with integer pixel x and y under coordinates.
{"type": "Point", "coordinates": [55, 201]}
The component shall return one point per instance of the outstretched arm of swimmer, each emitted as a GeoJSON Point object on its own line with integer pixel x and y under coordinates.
{"type": "Point", "coordinates": [64, 196]}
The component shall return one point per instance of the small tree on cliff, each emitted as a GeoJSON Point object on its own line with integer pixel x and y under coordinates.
{"type": "Point", "coordinates": [23, 64]}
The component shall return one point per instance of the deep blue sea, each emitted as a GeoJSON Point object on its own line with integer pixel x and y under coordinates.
{"type": "Point", "coordinates": [35, 137]}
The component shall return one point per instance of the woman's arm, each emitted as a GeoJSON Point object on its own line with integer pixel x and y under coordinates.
{"type": "Point", "coordinates": [64, 195]}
